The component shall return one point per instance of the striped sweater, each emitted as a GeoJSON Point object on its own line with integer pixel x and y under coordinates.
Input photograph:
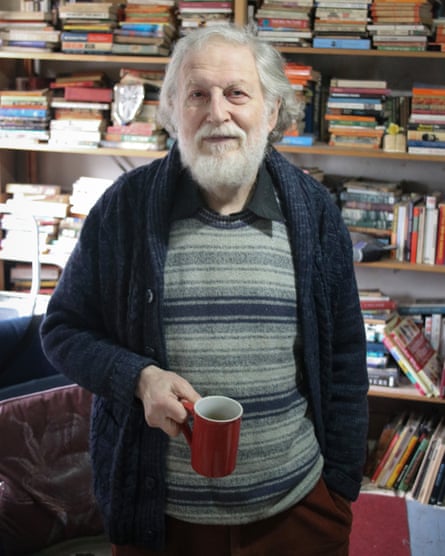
{"type": "Point", "coordinates": [231, 329]}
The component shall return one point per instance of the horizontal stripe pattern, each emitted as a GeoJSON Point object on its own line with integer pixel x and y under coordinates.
{"type": "Point", "coordinates": [231, 329]}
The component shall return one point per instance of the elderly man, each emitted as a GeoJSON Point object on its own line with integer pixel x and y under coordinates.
{"type": "Point", "coordinates": [220, 269]}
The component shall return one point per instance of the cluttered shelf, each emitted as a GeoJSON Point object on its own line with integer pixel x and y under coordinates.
{"type": "Point", "coordinates": [67, 57]}
{"type": "Point", "coordinates": [100, 151]}
{"type": "Point", "coordinates": [390, 264]}
{"type": "Point", "coordinates": [406, 392]}
{"type": "Point", "coordinates": [325, 150]}
{"type": "Point", "coordinates": [317, 149]}
{"type": "Point", "coordinates": [426, 54]}
{"type": "Point", "coordinates": [133, 59]}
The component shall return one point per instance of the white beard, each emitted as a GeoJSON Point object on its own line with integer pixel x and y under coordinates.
{"type": "Point", "coordinates": [224, 166]}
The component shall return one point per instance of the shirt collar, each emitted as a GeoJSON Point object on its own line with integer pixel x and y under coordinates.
{"type": "Point", "coordinates": [264, 202]}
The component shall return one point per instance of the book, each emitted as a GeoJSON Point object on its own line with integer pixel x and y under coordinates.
{"type": "Point", "coordinates": [422, 306]}
{"type": "Point", "coordinates": [140, 49]}
{"type": "Point", "coordinates": [430, 233]}
{"type": "Point", "coordinates": [96, 94]}
{"type": "Point", "coordinates": [387, 442]}
{"type": "Point", "coordinates": [432, 461]}
{"type": "Point", "coordinates": [324, 42]}
{"type": "Point", "coordinates": [440, 239]}
{"type": "Point", "coordinates": [440, 478]}
{"type": "Point", "coordinates": [358, 83]}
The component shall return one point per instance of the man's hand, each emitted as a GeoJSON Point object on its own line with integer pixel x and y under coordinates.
{"type": "Point", "coordinates": [160, 392]}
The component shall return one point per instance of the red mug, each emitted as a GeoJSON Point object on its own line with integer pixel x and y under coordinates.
{"type": "Point", "coordinates": [215, 435]}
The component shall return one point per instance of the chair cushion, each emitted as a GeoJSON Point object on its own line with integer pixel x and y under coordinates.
{"type": "Point", "coordinates": [45, 472]}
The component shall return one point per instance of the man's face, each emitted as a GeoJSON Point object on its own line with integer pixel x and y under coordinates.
{"type": "Point", "coordinates": [221, 116]}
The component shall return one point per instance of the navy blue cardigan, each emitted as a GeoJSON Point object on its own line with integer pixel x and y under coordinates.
{"type": "Point", "coordinates": [104, 324]}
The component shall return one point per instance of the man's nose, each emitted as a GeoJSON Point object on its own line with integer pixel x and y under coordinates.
{"type": "Point", "coordinates": [218, 111]}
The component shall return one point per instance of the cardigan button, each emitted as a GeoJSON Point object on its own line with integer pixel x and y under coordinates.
{"type": "Point", "coordinates": [149, 296]}
{"type": "Point", "coordinates": [150, 483]}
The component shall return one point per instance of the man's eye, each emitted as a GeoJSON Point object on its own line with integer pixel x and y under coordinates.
{"type": "Point", "coordinates": [197, 97]}
{"type": "Point", "coordinates": [236, 95]}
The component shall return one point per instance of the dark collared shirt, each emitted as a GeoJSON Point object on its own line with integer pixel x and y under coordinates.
{"type": "Point", "coordinates": [263, 202]}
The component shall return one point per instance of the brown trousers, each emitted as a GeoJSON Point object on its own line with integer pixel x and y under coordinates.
{"type": "Point", "coordinates": [319, 525]}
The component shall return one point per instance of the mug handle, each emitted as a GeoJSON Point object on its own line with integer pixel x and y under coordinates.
{"type": "Point", "coordinates": [185, 427]}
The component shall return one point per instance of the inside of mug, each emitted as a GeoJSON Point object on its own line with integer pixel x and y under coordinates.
{"type": "Point", "coordinates": [218, 408]}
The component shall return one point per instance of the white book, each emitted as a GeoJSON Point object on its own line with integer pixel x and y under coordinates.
{"type": "Point", "coordinates": [430, 234]}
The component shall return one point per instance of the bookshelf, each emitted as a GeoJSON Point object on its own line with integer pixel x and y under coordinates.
{"type": "Point", "coordinates": [405, 67]}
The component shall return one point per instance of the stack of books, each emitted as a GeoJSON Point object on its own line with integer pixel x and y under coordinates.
{"type": "Point", "coordinates": [24, 116]}
{"type": "Point", "coordinates": [415, 355]}
{"type": "Point", "coordinates": [86, 191]}
{"type": "Point", "coordinates": [377, 309]}
{"type": "Point", "coordinates": [284, 22]}
{"type": "Point", "coordinates": [355, 111]}
{"type": "Point", "coordinates": [367, 206]}
{"type": "Point", "coordinates": [147, 136]}
{"type": "Point", "coordinates": [148, 28]}
{"type": "Point", "coordinates": [307, 84]}
{"type": "Point", "coordinates": [30, 31]}
{"type": "Point", "coordinates": [197, 13]}
{"type": "Point", "coordinates": [46, 203]}
{"type": "Point", "coordinates": [80, 109]}
{"type": "Point", "coordinates": [401, 24]}
{"type": "Point", "coordinates": [87, 27]}
{"type": "Point", "coordinates": [69, 232]}
{"type": "Point", "coordinates": [340, 24]}
{"type": "Point", "coordinates": [426, 124]}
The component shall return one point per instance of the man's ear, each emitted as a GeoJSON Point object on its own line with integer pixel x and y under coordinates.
{"type": "Point", "coordinates": [273, 116]}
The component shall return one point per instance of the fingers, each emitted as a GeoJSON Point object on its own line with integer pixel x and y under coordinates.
{"type": "Point", "coordinates": [161, 392]}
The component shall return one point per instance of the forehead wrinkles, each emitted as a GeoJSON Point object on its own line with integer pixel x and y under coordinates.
{"type": "Point", "coordinates": [221, 62]}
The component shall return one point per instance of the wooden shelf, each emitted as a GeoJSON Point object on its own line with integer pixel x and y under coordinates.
{"type": "Point", "coordinates": [354, 52]}
{"type": "Point", "coordinates": [85, 58]}
{"type": "Point", "coordinates": [99, 151]}
{"type": "Point", "coordinates": [396, 265]}
{"type": "Point", "coordinates": [318, 149]}
{"type": "Point", "coordinates": [402, 393]}
{"type": "Point", "coordinates": [326, 150]}
{"type": "Point", "coordinates": [134, 59]}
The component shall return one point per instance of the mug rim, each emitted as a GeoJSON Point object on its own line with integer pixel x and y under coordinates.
{"type": "Point", "coordinates": [227, 398]}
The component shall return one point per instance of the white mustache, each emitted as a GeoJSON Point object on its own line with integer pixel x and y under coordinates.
{"type": "Point", "coordinates": [225, 130]}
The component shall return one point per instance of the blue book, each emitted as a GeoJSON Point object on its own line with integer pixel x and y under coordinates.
{"type": "Point", "coordinates": [358, 44]}
{"type": "Point", "coordinates": [305, 140]}
{"type": "Point", "coordinates": [23, 112]}
{"type": "Point", "coordinates": [428, 144]}
{"type": "Point", "coordinates": [361, 99]}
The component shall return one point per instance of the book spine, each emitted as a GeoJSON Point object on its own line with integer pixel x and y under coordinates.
{"type": "Point", "coordinates": [414, 465]}
{"type": "Point", "coordinates": [440, 245]}
{"type": "Point", "coordinates": [23, 112]}
{"type": "Point", "coordinates": [440, 479]}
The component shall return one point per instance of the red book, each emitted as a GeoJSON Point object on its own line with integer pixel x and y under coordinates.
{"type": "Point", "coordinates": [377, 304]}
{"type": "Point", "coordinates": [440, 245]}
{"type": "Point", "coordinates": [415, 234]}
{"type": "Point", "coordinates": [96, 94]}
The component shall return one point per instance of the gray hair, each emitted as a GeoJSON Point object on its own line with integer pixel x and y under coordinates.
{"type": "Point", "coordinates": [269, 64]}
